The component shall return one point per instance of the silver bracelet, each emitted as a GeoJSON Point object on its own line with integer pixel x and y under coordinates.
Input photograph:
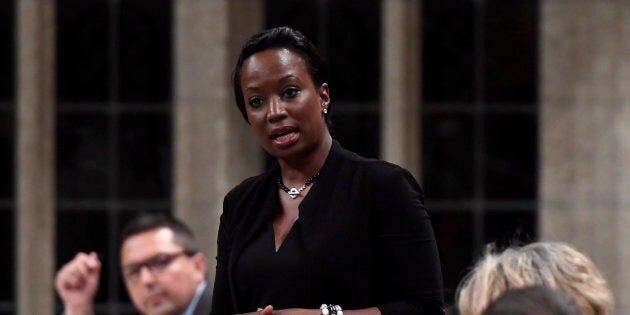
{"type": "Point", "coordinates": [329, 309]}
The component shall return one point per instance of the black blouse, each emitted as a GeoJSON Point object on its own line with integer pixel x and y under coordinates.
{"type": "Point", "coordinates": [265, 276]}
{"type": "Point", "coordinates": [364, 239]}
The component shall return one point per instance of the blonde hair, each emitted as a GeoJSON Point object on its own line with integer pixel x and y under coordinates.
{"type": "Point", "coordinates": [551, 264]}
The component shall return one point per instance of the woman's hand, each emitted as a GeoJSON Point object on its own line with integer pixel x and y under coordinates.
{"type": "Point", "coordinates": [268, 310]}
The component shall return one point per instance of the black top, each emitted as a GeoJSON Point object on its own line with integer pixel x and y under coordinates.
{"type": "Point", "coordinates": [265, 276]}
{"type": "Point", "coordinates": [365, 240]}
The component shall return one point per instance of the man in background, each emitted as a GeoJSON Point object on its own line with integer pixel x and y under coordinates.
{"type": "Point", "coordinates": [163, 271]}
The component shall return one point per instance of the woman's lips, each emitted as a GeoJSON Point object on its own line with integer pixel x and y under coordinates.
{"type": "Point", "coordinates": [285, 140]}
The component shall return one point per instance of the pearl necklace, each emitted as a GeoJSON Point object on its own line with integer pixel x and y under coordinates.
{"type": "Point", "coordinates": [294, 192]}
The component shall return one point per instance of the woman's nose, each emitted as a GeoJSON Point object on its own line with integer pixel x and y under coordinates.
{"type": "Point", "coordinates": [277, 110]}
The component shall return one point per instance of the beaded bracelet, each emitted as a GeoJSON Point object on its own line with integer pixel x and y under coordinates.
{"type": "Point", "coordinates": [329, 309]}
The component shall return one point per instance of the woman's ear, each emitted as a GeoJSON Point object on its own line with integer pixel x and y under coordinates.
{"type": "Point", "coordinates": [324, 95]}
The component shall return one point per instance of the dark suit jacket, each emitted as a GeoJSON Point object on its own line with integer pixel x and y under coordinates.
{"type": "Point", "coordinates": [204, 306]}
{"type": "Point", "coordinates": [366, 232]}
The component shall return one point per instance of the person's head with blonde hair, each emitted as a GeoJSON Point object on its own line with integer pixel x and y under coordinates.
{"type": "Point", "coordinates": [551, 264]}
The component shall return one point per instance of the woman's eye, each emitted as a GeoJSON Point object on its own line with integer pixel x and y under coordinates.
{"type": "Point", "coordinates": [291, 92]}
{"type": "Point", "coordinates": [255, 102]}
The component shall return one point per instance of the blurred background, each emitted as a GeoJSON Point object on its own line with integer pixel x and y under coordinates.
{"type": "Point", "coordinates": [513, 115]}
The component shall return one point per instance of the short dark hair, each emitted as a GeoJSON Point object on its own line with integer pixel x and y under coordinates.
{"type": "Point", "coordinates": [278, 38]}
{"type": "Point", "coordinates": [534, 300]}
{"type": "Point", "coordinates": [183, 236]}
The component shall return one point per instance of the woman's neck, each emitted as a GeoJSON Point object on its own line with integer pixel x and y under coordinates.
{"type": "Point", "coordinates": [296, 170]}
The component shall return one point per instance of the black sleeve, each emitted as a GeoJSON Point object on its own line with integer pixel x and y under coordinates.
{"type": "Point", "coordinates": [221, 300]}
{"type": "Point", "coordinates": [408, 272]}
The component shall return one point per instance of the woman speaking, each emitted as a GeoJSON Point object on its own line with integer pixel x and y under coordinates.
{"type": "Point", "coordinates": [324, 231]}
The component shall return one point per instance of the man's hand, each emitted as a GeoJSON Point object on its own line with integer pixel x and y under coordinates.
{"type": "Point", "coordinates": [77, 282]}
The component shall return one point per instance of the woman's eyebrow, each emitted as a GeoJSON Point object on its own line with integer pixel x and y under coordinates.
{"type": "Point", "coordinates": [290, 77]}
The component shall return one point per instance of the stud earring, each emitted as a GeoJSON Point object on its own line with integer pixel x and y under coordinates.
{"type": "Point", "coordinates": [325, 111]}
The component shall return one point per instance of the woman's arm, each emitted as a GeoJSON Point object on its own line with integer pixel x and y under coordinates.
{"type": "Point", "coordinates": [221, 300]}
{"type": "Point", "coordinates": [407, 265]}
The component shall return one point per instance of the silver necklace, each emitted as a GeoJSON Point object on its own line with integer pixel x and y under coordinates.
{"type": "Point", "coordinates": [294, 192]}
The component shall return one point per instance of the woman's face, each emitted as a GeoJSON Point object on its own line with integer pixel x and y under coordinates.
{"type": "Point", "coordinates": [283, 105]}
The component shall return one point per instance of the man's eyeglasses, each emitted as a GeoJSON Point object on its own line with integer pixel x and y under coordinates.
{"type": "Point", "coordinates": [154, 265]}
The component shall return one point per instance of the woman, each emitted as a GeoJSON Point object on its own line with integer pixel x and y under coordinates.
{"type": "Point", "coordinates": [534, 300]}
{"type": "Point", "coordinates": [551, 264]}
{"type": "Point", "coordinates": [324, 229]}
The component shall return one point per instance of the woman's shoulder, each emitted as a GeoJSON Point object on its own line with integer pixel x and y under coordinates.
{"type": "Point", "coordinates": [387, 175]}
{"type": "Point", "coordinates": [245, 196]}
{"type": "Point", "coordinates": [378, 175]}
{"type": "Point", "coordinates": [373, 167]}
{"type": "Point", "coordinates": [250, 184]}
